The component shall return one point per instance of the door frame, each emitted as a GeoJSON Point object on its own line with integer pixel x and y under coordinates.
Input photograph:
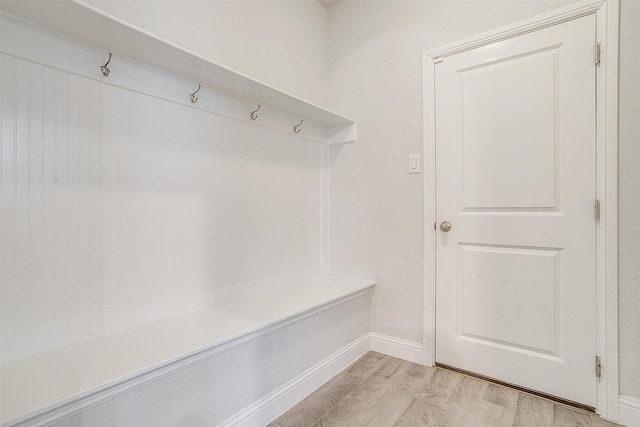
{"type": "Point", "coordinates": [607, 18]}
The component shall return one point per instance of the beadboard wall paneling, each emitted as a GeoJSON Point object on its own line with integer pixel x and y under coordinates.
{"type": "Point", "coordinates": [113, 198]}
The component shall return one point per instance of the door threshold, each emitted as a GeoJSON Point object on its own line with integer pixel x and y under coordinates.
{"type": "Point", "coordinates": [520, 388]}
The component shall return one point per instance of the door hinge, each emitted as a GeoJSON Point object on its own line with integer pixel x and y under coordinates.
{"type": "Point", "coordinates": [435, 225]}
{"type": "Point", "coordinates": [597, 52]}
{"type": "Point", "coordinates": [598, 367]}
{"type": "Point", "coordinates": [596, 210]}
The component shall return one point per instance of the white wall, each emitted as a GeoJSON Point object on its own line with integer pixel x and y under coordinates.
{"type": "Point", "coordinates": [375, 63]}
{"type": "Point", "coordinates": [281, 43]}
{"type": "Point", "coordinates": [629, 194]}
{"type": "Point", "coordinates": [376, 207]}
{"type": "Point", "coordinates": [115, 197]}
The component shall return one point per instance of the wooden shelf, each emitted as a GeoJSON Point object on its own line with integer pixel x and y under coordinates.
{"type": "Point", "coordinates": [42, 381]}
{"type": "Point", "coordinates": [93, 26]}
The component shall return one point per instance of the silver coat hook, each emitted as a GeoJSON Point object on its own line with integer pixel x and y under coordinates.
{"type": "Point", "coordinates": [253, 114]}
{"type": "Point", "coordinates": [105, 70]}
{"type": "Point", "coordinates": [296, 128]}
{"type": "Point", "coordinates": [193, 96]}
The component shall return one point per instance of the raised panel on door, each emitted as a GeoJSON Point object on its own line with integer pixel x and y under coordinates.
{"type": "Point", "coordinates": [508, 133]}
{"type": "Point", "coordinates": [515, 176]}
{"type": "Point", "coordinates": [520, 285]}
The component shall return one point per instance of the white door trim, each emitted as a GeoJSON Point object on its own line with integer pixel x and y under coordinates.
{"type": "Point", "coordinates": [607, 15]}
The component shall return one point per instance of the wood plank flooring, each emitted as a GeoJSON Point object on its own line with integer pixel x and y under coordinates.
{"type": "Point", "coordinates": [382, 391]}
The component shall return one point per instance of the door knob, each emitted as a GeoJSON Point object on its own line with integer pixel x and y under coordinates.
{"type": "Point", "coordinates": [445, 226]}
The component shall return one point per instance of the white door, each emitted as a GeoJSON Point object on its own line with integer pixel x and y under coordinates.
{"type": "Point", "coordinates": [516, 179]}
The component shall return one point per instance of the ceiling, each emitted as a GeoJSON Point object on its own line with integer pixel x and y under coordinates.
{"type": "Point", "coordinates": [329, 3]}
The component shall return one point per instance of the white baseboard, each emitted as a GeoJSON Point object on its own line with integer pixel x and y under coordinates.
{"type": "Point", "coordinates": [267, 409]}
{"type": "Point", "coordinates": [629, 411]}
{"type": "Point", "coordinates": [396, 347]}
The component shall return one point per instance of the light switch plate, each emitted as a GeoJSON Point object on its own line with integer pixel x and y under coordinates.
{"type": "Point", "coordinates": [414, 163]}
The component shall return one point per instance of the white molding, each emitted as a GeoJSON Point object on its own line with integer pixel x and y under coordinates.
{"type": "Point", "coordinates": [607, 181]}
{"type": "Point", "coordinates": [538, 22]}
{"type": "Point", "coordinates": [429, 150]}
{"type": "Point", "coordinates": [325, 203]}
{"type": "Point", "coordinates": [607, 13]}
{"type": "Point", "coordinates": [273, 405]}
{"type": "Point", "coordinates": [629, 411]}
{"type": "Point", "coordinates": [396, 347]}
{"type": "Point", "coordinates": [342, 134]}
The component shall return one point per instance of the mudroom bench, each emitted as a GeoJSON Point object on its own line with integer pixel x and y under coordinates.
{"type": "Point", "coordinates": [238, 363]}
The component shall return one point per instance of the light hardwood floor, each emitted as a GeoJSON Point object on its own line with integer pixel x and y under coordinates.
{"type": "Point", "coordinates": [380, 390]}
